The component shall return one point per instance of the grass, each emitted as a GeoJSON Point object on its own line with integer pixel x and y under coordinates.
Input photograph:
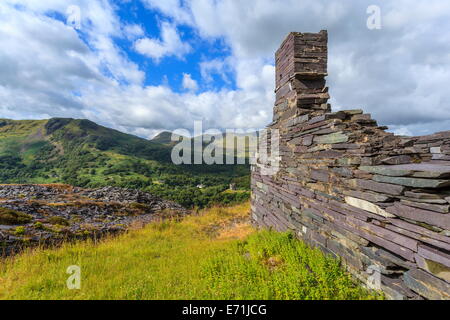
{"type": "Point", "coordinates": [213, 255]}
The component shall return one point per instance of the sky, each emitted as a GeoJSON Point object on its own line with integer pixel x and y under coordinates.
{"type": "Point", "coordinates": [143, 66]}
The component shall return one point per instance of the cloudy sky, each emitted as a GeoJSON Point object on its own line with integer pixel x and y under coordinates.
{"type": "Point", "coordinates": [142, 66]}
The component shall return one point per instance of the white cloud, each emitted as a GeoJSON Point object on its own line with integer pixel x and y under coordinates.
{"type": "Point", "coordinates": [189, 83]}
{"type": "Point", "coordinates": [170, 44]}
{"type": "Point", "coordinates": [173, 8]}
{"type": "Point", "coordinates": [398, 73]}
{"type": "Point", "coordinates": [220, 67]}
{"type": "Point", "coordinates": [133, 31]}
{"type": "Point", "coordinates": [46, 70]}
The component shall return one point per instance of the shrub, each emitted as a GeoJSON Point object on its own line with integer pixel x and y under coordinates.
{"type": "Point", "coordinates": [38, 225]}
{"type": "Point", "coordinates": [13, 217]}
{"type": "Point", "coordinates": [20, 231]}
{"type": "Point", "coordinates": [55, 220]}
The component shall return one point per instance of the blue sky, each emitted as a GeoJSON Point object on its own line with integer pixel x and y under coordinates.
{"type": "Point", "coordinates": [170, 70]}
{"type": "Point", "coordinates": [143, 66]}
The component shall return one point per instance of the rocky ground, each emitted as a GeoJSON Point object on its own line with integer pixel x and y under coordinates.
{"type": "Point", "coordinates": [50, 214]}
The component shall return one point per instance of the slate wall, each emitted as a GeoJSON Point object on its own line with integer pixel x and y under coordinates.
{"type": "Point", "coordinates": [378, 201]}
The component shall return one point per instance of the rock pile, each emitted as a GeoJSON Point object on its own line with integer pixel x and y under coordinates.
{"type": "Point", "coordinates": [29, 191]}
{"type": "Point", "coordinates": [379, 202]}
{"type": "Point", "coordinates": [57, 213]}
{"type": "Point", "coordinates": [122, 195]}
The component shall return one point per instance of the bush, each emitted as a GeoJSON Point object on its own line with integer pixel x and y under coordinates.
{"type": "Point", "coordinates": [39, 225]}
{"type": "Point", "coordinates": [60, 221]}
{"type": "Point", "coordinates": [20, 231]}
{"type": "Point", "coordinates": [12, 217]}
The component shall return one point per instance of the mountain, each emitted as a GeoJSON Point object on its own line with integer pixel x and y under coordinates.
{"type": "Point", "coordinates": [82, 153]}
{"type": "Point", "coordinates": [164, 138]}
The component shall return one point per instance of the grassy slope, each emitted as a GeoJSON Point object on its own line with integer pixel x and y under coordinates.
{"type": "Point", "coordinates": [214, 255]}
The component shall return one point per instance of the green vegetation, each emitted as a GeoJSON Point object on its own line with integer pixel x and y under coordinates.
{"type": "Point", "coordinates": [19, 231]}
{"type": "Point", "coordinates": [82, 153]}
{"type": "Point", "coordinates": [59, 221]}
{"type": "Point", "coordinates": [13, 217]}
{"type": "Point", "coordinates": [213, 255]}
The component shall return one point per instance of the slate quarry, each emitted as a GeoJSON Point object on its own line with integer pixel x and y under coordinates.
{"type": "Point", "coordinates": [377, 201]}
{"type": "Point", "coordinates": [53, 214]}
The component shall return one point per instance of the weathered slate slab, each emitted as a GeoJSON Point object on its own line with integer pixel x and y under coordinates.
{"type": "Point", "coordinates": [368, 206]}
{"type": "Point", "coordinates": [425, 233]}
{"type": "Point", "coordinates": [333, 138]}
{"type": "Point", "coordinates": [418, 170]}
{"type": "Point", "coordinates": [341, 146]}
{"type": "Point", "coordinates": [313, 214]}
{"type": "Point", "coordinates": [308, 140]}
{"type": "Point", "coordinates": [422, 238]}
{"type": "Point", "coordinates": [369, 196]}
{"type": "Point", "coordinates": [405, 253]}
{"type": "Point", "coordinates": [376, 186]}
{"type": "Point", "coordinates": [427, 206]}
{"type": "Point", "coordinates": [435, 268]}
{"type": "Point", "coordinates": [386, 258]}
{"type": "Point", "coordinates": [342, 233]}
{"type": "Point", "coordinates": [434, 255]}
{"type": "Point", "coordinates": [387, 171]}
{"type": "Point", "coordinates": [413, 182]}
{"type": "Point", "coordinates": [395, 289]}
{"type": "Point", "coordinates": [433, 218]}
{"type": "Point", "coordinates": [320, 175]}
{"type": "Point", "coordinates": [422, 196]}
{"type": "Point", "coordinates": [386, 234]}
{"type": "Point", "coordinates": [349, 210]}
{"type": "Point", "coordinates": [351, 112]}
{"type": "Point", "coordinates": [403, 159]}
{"type": "Point", "coordinates": [349, 256]}
{"type": "Point", "coordinates": [427, 285]}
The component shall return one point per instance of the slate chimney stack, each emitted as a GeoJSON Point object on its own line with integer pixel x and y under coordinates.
{"type": "Point", "coordinates": [301, 68]}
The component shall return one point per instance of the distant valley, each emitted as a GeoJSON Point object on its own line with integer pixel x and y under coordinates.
{"type": "Point", "coordinates": [85, 154]}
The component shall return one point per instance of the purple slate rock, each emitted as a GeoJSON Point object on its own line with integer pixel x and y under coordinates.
{"type": "Point", "coordinates": [433, 218]}
{"type": "Point", "coordinates": [427, 285]}
{"type": "Point", "coordinates": [434, 255]}
{"type": "Point", "coordinates": [403, 159]}
{"type": "Point", "coordinates": [379, 187]}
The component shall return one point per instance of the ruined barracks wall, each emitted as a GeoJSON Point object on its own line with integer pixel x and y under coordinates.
{"type": "Point", "coordinates": [352, 189]}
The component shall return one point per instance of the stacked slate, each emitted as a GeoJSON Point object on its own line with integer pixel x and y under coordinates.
{"type": "Point", "coordinates": [350, 188]}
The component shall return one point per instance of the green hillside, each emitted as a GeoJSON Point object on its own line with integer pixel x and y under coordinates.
{"type": "Point", "coordinates": [85, 154]}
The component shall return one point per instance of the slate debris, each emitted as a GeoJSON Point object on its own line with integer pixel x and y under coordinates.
{"type": "Point", "coordinates": [350, 188]}
{"type": "Point", "coordinates": [62, 213]}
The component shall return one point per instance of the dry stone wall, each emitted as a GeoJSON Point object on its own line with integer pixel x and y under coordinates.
{"type": "Point", "coordinates": [378, 201]}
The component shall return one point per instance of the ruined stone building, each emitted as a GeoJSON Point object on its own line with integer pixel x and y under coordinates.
{"type": "Point", "coordinates": [378, 201]}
